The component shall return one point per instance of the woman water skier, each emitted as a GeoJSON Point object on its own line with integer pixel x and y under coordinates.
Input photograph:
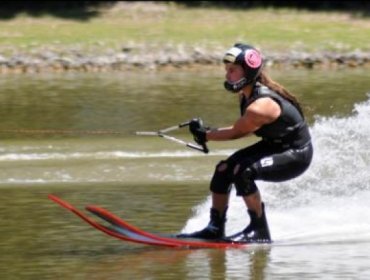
{"type": "Point", "coordinates": [271, 112]}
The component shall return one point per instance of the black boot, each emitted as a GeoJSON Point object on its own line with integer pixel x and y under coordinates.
{"type": "Point", "coordinates": [214, 230]}
{"type": "Point", "coordinates": [256, 232]}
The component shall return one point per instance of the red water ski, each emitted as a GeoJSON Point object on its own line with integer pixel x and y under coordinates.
{"type": "Point", "coordinates": [122, 230]}
{"type": "Point", "coordinates": [119, 224]}
{"type": "Point", "coordinates": [125, 235]}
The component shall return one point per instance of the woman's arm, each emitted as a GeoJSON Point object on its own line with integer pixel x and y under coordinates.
{"type": "Point", "coordinates": [262, 111]}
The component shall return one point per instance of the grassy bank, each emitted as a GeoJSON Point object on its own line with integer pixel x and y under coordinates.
{"type": "Point", "coordinates": [159, 24]}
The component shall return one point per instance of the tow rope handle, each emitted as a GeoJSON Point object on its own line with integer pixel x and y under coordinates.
{"type": "Point", "coordinates": [162, 133]}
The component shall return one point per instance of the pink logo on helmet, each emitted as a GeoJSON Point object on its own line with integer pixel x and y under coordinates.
{"type": "Point", "coordinates": [253, 58]}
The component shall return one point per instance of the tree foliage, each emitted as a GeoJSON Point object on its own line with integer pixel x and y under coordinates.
{"type": "Point", "coordinates": [82, 10]}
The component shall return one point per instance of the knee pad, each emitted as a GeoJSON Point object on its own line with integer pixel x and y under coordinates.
{"type": "Point", "coordinates": [222, 178]}
{"type": "Point", "coordinates": [244, 181]}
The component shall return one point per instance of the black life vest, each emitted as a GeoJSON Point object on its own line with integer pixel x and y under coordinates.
{"type": "Point", "coordinates": [289, 130]}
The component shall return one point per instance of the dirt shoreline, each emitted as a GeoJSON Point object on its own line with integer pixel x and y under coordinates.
{"type": "Point", "coordinates": [141, 58]}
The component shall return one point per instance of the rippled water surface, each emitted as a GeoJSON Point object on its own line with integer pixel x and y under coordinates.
{"type": "Point", "coordinates": [74, 135]}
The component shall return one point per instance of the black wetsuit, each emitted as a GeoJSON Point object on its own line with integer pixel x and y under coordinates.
{"type": "Point", "coordinates": [284, 152]}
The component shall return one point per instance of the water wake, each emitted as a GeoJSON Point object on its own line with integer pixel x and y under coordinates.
{"type": "Point", "coordinates": [107, 155]}
{"type": "Point", "coordinates": [330, 202]}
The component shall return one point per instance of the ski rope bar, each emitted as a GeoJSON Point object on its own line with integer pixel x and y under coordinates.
{"type": "Point", "coordinates": [161, 133]}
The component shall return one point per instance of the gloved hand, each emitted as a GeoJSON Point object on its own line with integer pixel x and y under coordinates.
{"type": "Point", "coordinates": [198, 130]}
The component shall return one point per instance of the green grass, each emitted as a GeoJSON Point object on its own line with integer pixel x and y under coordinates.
{"type": "Point", "coordinates": [268, 29]}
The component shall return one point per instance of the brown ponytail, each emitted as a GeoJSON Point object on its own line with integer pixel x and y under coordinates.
{"type": "Point", "coordinates": [266, 80]}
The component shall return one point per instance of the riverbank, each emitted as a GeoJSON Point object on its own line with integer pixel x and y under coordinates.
{"type": "Point", "coordinates": [154, 36]}
{"type": "Point", "coordinates": [142, 57]}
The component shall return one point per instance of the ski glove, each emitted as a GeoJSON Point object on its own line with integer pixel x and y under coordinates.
{"type": "Point", "coordinates": [198, 130]}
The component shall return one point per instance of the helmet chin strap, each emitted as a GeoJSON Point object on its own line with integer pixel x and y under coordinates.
{"type": "Point", "coordinates": [236, 86]}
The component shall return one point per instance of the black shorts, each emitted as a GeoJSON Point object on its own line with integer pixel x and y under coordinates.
{"type": "Point", "coordinates": [268, 162]}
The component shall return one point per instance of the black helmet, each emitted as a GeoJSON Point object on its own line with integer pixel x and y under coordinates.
{"type": "Point", "coordinates": [251, 61]}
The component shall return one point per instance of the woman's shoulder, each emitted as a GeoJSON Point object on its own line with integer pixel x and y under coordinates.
{"type": "Point", "coordinates": [263, 91]}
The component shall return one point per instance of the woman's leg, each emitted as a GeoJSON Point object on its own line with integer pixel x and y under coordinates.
{"type": "Point", "coordinates": [220, 202]}
{"type": "Point", "coordinates": [254, 203]}
{"type": "Point", "coordinates": [274, 167]}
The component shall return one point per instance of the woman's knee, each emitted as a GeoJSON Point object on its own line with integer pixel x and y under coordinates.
{"type": "Point", "coordinates": [221, 180]}
{"type": "Point", "coordinates": [244, 180]}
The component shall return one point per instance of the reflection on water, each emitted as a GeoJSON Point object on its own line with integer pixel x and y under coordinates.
{"type": "Point", "coordinates": [128, 102]}
{"type": "Point", "coordinates": [42, 241]}
{"type": "Point", "coordinates": [182, 264]}
{"type": "Point", "coordinates": [317, 220]}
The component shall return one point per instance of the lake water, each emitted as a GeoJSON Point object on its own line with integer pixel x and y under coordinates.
{"type": "Point", "coordinates": [74, 135]}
